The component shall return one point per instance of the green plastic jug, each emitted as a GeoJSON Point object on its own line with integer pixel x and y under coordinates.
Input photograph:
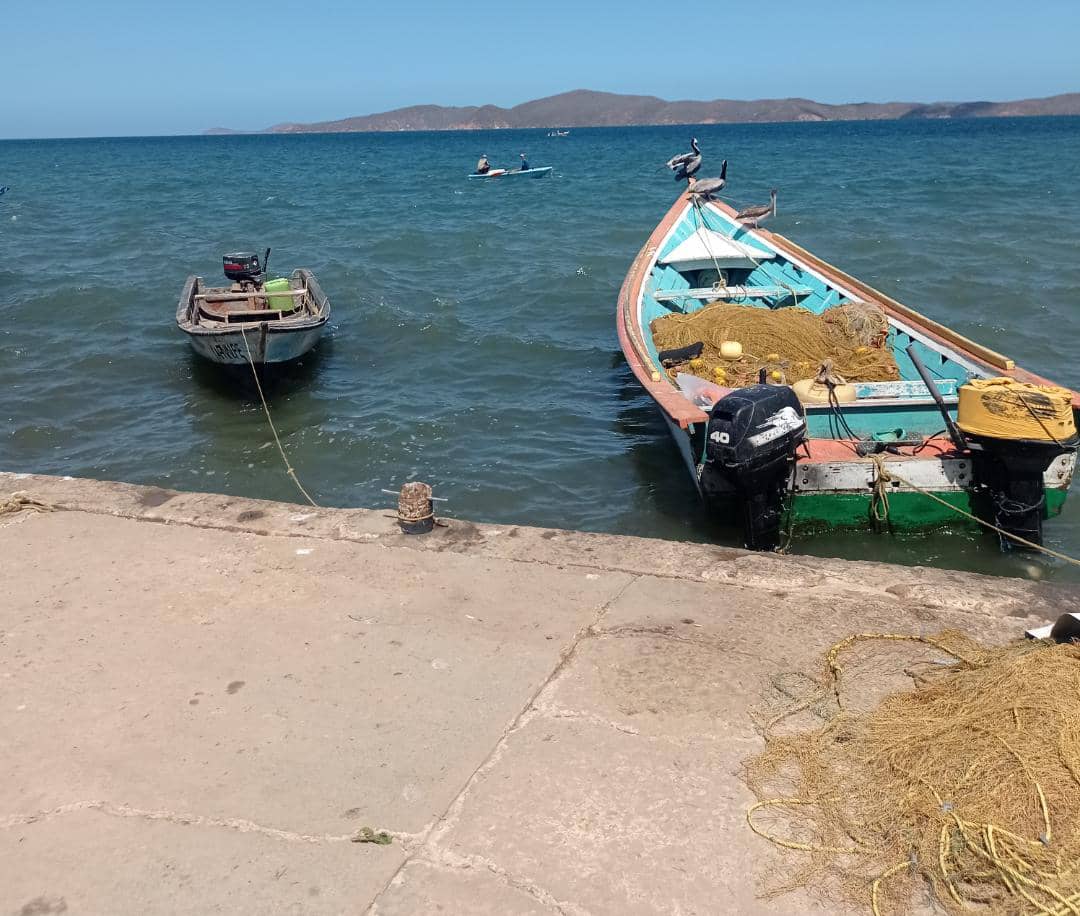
{"type": "Point", "coordinates": [278, 303]}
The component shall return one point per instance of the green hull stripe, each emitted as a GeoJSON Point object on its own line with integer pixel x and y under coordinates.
{"type": "Point", "coordinates": [906, 509]}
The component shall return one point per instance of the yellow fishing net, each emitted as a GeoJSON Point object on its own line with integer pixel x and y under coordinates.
{"type": "Point", "coordinates": [792, 342]}
{"type": "Point", "coordinates": [966, 787]}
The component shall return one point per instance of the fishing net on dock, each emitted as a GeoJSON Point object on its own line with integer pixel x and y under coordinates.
{"type": "Point", "coordinates": [792, 342]}
{"type": "Point", "coordinates": [964, 788]}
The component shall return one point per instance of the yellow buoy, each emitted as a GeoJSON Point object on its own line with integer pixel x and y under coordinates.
{"type": "Point", "coordinates": [776, 376]}
{"type": "Point", "coordinates": [719, 372]}
{"type": "Point", "coordinates": [811, 391]}
{"type": "Point", "coordinates": [697, 362]}
{"type": "Point", "coordinates": [773, 358]}
{"type": "Point", "coordinates": [730, 349]}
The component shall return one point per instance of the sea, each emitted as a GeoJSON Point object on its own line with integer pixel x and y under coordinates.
{"type": "Point", "coordinates": [473, 341]}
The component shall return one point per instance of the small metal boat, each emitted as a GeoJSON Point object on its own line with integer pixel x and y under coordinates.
{"type": "Point", "coordinates": [514, 173]}
{"type": "Point", "coordinates": [956, 431]}
{"type": "Point", "coordinates": [264, 322]}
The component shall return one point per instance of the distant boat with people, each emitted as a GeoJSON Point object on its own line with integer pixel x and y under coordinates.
{"type": "Point", "coordinates": [514, 173]}
{"type": "Point", "coordinates": [484, 170]}
{"type": "Point", "coordinates": [558, 133]}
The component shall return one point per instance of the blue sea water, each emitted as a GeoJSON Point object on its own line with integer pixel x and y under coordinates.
{"type": "Point", "coordinates": [473, 342]}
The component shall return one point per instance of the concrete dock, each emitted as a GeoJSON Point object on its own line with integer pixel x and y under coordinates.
{"type": "Point", "coordinates": [205, 700]}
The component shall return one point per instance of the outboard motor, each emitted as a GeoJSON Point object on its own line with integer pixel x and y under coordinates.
{"type": "Point", "coordinates": [1015, 430]}
{"type": "Point", "coordinates": [750, 449]}
{"type": "Point", "coordinates": [242, 267]}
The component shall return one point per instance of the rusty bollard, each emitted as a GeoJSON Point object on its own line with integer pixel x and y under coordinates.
{"type": "Point", "coordinates": [416, 511]}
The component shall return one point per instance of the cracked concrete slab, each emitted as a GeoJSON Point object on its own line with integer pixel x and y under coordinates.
{"type": "Point", "coordinates": [204, 696]}
{"type": "Point", "coordinates": [310, 689]}
{"type": "Point", "coordinates": [426, 888]}
{"type": "Point", "coordinates": [88, 861]}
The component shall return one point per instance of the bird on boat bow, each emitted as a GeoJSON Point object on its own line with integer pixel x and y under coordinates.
{"type": "Point", "coordinates": [686, 165]}
{"type": "Point", "coordinates": [755, 215]}
{"type": "Point", "coordinates": [704, 188]}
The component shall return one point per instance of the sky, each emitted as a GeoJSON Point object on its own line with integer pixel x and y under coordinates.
{"type": "Point", "coordinates": [122, 68]}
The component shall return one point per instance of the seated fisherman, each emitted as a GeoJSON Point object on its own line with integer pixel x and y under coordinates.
{"type": "Point", "coordinates": [524, 163]}
{"type": "Point", "coordinates": [483, 166]}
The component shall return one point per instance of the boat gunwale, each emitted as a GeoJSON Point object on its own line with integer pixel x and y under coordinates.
{"type": "Point", "coordinates": [685, 413]}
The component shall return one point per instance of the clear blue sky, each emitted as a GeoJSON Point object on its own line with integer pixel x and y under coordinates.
{"type": "Point", "coordinates": [118, 67]}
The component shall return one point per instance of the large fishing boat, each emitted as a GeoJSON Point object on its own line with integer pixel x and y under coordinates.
{"type": "Point", "coordinates": [902, 424]}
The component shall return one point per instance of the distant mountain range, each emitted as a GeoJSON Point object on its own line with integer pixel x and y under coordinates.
{"type": "Point", "coordinates": [585, 108]}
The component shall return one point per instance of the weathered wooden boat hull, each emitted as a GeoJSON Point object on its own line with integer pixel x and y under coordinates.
{"type": "Point", "coordinates": [514, 173]}
{"type": "Point", "coordinates": [228, 349]}
{"type": "Point", "coordinates": [269, 342]}
{"type": "Point", "coordinates": [832, 487]}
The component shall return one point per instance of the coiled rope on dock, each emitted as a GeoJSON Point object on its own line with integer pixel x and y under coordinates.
{"type": "Point", "coordinates": [968, 784]}
{"type": "Point", "coordinates": [289, 469]}
{"type": "Point", "coordinates": [20, 502]}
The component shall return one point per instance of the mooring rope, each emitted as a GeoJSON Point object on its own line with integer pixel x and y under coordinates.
{"type": "Point", "coordinates": [891, 475]}
{"type": "Point", "coordinates": [19, 501]}
{"type": "Point", "coordinates": [289, 469]}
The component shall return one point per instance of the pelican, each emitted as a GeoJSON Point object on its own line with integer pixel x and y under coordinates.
{"type": "Point", "coordinates": [686, 164]}
{"type": "Point", "coordinates": [756, 214]}
{"type": "Point", "coordinates": [706, 187]}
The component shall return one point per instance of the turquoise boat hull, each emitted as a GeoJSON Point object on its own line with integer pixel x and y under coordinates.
{"type": "Point", "coordinates": [514, 173]}
{"type": "Point", "coordinates": [832, 485]}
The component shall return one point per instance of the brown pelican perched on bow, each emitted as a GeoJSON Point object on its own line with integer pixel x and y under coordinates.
{"type": "Point", "coordinates": [685, 165]}
{"type": "Point", "coordinates": [704, 188]}
{"type": "Point", "coordinates": [756, 214]}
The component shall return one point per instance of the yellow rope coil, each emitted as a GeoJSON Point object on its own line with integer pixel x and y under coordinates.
{"type": "Point", "coordinates": [981, 766]}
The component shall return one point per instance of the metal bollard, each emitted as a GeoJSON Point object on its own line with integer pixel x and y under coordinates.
{"type": "Point", "coordinates": [416, 510]}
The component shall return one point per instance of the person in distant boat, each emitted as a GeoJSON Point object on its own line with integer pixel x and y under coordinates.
{"type": "Point", "coordinates": [524, 163]}
{"type": "Point", "coordinates": [483, 166]}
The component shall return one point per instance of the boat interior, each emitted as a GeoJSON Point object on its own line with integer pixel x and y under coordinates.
{"type": "Point", "coordinates": [247, 302]}
{"type": "Point", "coordinates": [710, 257]}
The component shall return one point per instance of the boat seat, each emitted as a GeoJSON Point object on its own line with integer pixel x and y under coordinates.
{"type": "Point", "coordinates": [242, 310]}
{"type": "Point", "coordinates": [732, 292]}
{"type": "Point", "coordinates": [905, 390]}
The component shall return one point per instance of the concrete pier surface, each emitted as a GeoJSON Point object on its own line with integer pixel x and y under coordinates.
{"type": "Point", "coordinates": [205, 699]}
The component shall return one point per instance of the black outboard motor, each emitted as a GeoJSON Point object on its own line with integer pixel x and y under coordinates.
{"type": "Point", "coordinates": [242, 267]}
{"type": "Point", "coordinates": [1014, 431]}
{"type": "Point", "coordinates": [750, 448]}
{"type": "Point", "coordinates": [1009, 474]}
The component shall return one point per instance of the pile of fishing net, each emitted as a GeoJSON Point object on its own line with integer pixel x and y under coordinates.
{"type": "Point", "coordinates": [965, 788]}
{"type": "Point", "coordinates": [791, 342]}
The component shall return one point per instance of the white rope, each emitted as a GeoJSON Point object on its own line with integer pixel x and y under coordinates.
{"type": "Point", "coordinates": [258, 385]}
